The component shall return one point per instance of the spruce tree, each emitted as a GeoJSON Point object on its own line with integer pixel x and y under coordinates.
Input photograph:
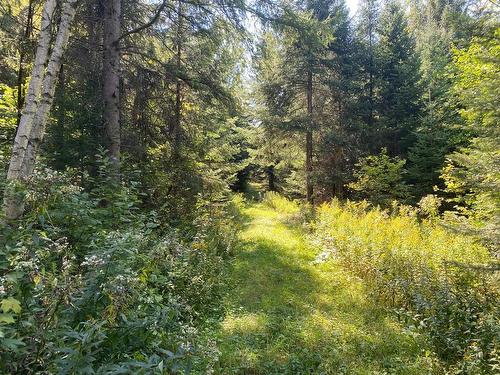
{"type": "Point", "coordinates": [397, 79]}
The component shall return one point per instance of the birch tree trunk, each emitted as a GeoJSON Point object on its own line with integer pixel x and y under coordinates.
{"type": "Point", "coordinates": [22, 55]}
{"type": "Point", "coordinates": [33, 94]}
{"type": "Point", "coordinates": [49, 87]}
{"type": "Point", "coordinates": [38, 103]}
{"type": "Point", "coordinates": [111, 84]}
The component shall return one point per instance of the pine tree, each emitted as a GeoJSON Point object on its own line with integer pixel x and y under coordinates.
{"type": "Point", "coordinates": [434, 24]}
{"type": "Point", "coordinates": [290, 98]}
{"type": "Point", "coordinates": [338, 115]}
{"type": "Point", "coordinates": [367, 36]}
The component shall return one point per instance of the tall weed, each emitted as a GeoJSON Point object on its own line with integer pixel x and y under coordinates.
{"type": "Point", "coordinates": [440, 283]}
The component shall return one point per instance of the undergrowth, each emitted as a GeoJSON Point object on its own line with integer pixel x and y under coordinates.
{"type": "Point", "coordinates": [92, 284]}
{"type": "Point", "coordinates": [290, 314]}
{"type": "Point", "coordinates": [440, 283]}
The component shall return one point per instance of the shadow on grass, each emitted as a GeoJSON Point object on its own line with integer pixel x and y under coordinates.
{"type": "Point", "coordinates": [266, 278]}
{"type": "Point", "coordinates": [288, 316]}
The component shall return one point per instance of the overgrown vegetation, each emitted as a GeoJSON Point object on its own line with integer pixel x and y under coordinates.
{"type": "Point", "coordinates": [249, 187]}
{"type": "Point", "coordinates": [290, 312]}
{"type": "Point", "coordinates": [92, 284]}
{"type": "Point", "coordinates": [441, 283]}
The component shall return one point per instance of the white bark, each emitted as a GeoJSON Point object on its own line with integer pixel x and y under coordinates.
{"type": "Point", "coordinates": [38, 102]}
{"type": "Point", "coordinates": [49, 87]}
{"type": "Point", "coordinates": [33, 94]}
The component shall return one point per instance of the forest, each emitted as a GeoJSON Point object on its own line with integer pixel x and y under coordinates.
{"type": "Point", "coordinates": [250, 187]}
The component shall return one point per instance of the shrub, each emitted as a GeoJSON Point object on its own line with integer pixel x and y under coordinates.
{"type": "Point", "coordinates": [379, 178]}
{"type": "Point", "coordinates": [429, 206]}
{"type": "Point", "coordinates": [89, 284]}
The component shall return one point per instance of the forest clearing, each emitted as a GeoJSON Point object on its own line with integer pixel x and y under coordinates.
{"type": "Point", "coordinates": [253, 187]}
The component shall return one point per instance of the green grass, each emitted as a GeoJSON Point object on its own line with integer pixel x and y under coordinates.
{"type": "Point", "coordinates": [287, 314]}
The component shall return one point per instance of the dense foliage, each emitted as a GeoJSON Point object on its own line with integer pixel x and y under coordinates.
{"type": "Point", "coordinates": [443, 285]}
{"type": "Point", "coordinates": [440, 285]}
{"type": "Point", "coordinates": [91, 285]}
{"type": "Point", "coordinates": [133, 133]}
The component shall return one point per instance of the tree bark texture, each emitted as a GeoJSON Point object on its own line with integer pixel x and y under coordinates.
{"type": "Point", "coordinates": [111, 81]}
{"type": "Point", "coordinates": [49, 86]}
{"type": "Point", "coordinates": [33, 94]}
{"type": "Point", "coordinates": [38, 102]}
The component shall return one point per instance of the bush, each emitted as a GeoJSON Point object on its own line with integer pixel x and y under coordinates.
{"type": "Point", "coordinates": [89, 284]}
{"type": "Point", "coordinates": [379, 178]}
{"type": "Point", "coordinates": [440, 283]}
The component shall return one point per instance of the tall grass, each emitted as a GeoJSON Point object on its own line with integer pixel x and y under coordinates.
{"type": "Point", "coordinates": [439, 281]}
{"type": "Point", "coordinates": [280, 203]}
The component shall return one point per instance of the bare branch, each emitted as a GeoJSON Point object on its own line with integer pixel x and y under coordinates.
{"type": "Point", "coordinates": [148, 24]}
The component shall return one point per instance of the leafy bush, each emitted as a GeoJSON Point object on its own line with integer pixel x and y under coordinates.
{"type": "Point", "coordinates": [472, 173]}
{"type": "Point", "coordinates": [89, 284]}
{"type": "Point", "coordinates": [429, 206]}
{"type": "Point", "coordinates": [379, 178]}
{"type": "Point", "coordinates": [440, 283]}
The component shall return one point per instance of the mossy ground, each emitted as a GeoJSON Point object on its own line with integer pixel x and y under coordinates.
{"type": "Point", "coordinates": [287, 314]}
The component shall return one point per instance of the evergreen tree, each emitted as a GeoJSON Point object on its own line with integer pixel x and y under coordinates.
{"type": "Point", "coordinates": [367, 36]}
{"type": "Point", "coordinates": [338, 115]}
{"type": "Point", "coordinates": [397, 79]}
{"type": "Point", "coordinates": [290, 97]}
{"type": "Point", "coordinates": [436, 136]}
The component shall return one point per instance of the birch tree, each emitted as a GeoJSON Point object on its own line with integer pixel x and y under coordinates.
{"type": "Point", "coordinates": [40, 97]}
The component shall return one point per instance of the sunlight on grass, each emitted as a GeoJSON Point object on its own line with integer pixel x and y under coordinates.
{"type": "Point", "coordinates": [280, 204]}
{"type": "Point", "coordinates": [245, 324]}
{"type": "Point", "coordinates": [287, 315]}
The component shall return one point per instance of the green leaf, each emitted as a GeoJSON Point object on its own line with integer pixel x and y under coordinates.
{"type": "Point", "coordinates": [11, 304]}
{"type": "Point", "coordinates": [12, 344]}
{"type": "Point", "coordinates": [7, 318]}
{"type": "Point", "coordinates": [13, 276]}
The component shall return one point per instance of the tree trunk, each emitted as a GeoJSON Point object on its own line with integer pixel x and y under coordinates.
{"type": "Point", "coordinates": [49, 86]}
{"type": "Point", "coordinates": [13, 205]}
{"type": "Point", "coordinates": [38, 103]}
{"type": "Point", "coordinates": [139, 106]}
{"type": "Point", "coordinates": [111, 81]}
{"type": "Point", "coordinates": [309, 140]}
{"type": "Point", "coordinates": [33, 94]}
{"type": "Point", "coordinates": [22, 56]}
{"type": "Point", "coordinates": [178, 84]}
{"type": "Point", "coordinates": [271, 178]}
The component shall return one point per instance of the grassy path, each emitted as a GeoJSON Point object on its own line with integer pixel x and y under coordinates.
{"type": "Point", "coordinates": [288, 315]}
